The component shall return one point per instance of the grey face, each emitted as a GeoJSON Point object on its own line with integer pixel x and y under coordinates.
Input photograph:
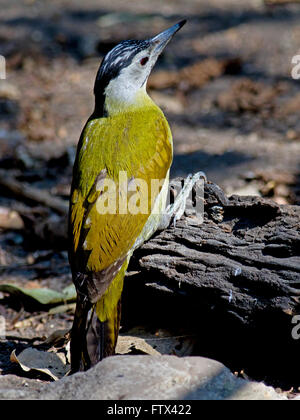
{"type": "Point", "coordinates": [118, 58]}
{"type": "Point", "coordinates": [126, 68]}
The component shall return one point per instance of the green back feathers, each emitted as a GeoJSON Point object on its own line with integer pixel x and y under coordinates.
{"type": "Point", "coordinates": [137, 142]}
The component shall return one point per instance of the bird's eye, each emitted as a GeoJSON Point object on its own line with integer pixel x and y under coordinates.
{"type": "Point", "coordinates": [144, 60]}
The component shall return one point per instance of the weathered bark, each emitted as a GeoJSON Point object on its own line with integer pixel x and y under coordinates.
{"type": "Point", "coordinates": [234, 280]}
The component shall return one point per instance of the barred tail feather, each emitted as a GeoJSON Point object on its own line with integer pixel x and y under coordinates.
{"type": "Point", "coordinates": [79, 352]}
{"type": "Point", "coordinates": [96, 326]}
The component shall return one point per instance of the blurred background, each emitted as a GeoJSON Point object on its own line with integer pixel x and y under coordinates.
{"type": "Point", "coordinates": [224, 83]}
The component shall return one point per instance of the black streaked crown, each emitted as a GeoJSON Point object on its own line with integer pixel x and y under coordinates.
{"type": "Point", "coordinates": [115, 60]}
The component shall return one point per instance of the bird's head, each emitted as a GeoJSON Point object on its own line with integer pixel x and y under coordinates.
{"type": "Point", "coordinates": [124, 71]}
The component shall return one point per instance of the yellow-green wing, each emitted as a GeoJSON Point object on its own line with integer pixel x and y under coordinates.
{"type": "Point", "coordinates": [136, 145]}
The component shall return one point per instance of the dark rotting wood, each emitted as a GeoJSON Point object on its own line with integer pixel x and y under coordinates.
{"type": "Point", "coordinates": [235, 279]}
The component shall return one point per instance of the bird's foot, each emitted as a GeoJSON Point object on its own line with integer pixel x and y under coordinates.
{"type": "Point", "coordinates": [175, 210]}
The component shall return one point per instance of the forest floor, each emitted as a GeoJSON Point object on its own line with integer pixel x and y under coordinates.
{"type": "Point", "coordinates": [224, 83]}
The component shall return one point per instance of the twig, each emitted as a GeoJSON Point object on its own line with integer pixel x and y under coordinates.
{"type": "Point", "coordinates": [23, 190]}
{"type": "Point", "coordinates": [25, 339]}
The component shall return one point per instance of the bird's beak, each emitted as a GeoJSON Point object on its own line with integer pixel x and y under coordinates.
{"type": "Point", "coordinates": [161, 40]}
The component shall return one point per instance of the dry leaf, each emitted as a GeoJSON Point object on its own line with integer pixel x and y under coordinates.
{"type": "Point", "coordinates": [57, 337]}
{"type": "Point", "coordinates": [42, 295]}
{"type": "Point", "coordinates": [160, 342]}
{"type": "Point", "coordinates": [127, 344]}
{"type": "Point", "coordinates": [50, 364]}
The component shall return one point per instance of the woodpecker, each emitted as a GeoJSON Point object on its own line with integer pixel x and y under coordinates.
{"type": "Point", "coordinates": [119, 191]}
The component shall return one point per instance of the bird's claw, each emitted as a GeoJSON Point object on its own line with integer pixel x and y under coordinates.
{"type": "Point", "coordinates": [175, 211]}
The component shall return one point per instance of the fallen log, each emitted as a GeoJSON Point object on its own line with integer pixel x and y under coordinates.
{"type": "Point", "coordinates": [234, 280]}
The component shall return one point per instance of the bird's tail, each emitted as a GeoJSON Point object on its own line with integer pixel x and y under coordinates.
{"type": "Point", "coordinates": [96, 326]}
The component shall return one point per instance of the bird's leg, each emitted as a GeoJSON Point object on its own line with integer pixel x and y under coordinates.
{"type": "Point", "coordinates": [175, 210]}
